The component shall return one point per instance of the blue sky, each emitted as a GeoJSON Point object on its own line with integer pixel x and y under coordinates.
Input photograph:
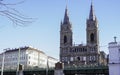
{"type": "Point", "coordinates": [44, 32]}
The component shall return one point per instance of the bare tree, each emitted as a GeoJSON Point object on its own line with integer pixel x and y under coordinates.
{"type": "Point", "coordinates": [14, 15]}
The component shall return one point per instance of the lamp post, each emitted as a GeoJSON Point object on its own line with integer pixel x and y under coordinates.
{"type": "Point", "coordinates": [68, 64]}
{"type": "Point", "coordinates": [17, 73]}
{"type": "Point", "coordinates": [47, 66]}
{"type": "Point", "coordinates": [3, 61]}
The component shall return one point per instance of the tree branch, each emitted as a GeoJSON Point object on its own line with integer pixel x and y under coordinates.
{"type": "Point", "coordinates": [14, 15]}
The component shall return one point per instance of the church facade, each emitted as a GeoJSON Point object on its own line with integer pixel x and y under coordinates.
{"type": "Point", "coordinates": [88, 54]}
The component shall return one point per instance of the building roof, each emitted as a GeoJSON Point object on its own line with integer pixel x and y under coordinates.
{"type": "Point", "coordinates": [23, 48]}
{"type": "Point", "coordinates": [113, 43]}
{"type": "Point", "coordinates": [52, 58]}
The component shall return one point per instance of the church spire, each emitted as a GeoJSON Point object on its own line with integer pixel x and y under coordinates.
{"type": "Point", "coordinates": [92, 14]}
{"type": "Point", "coordinates": [66, 17]}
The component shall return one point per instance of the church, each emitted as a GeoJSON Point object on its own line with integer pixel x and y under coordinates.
{"type": "Point", "coordinates": [88, 54]}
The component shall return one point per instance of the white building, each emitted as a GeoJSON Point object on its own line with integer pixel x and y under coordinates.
{"type": "Point", "coordinates": [29, 57]}
{"type": "Point", "coordinates": [114, 58]}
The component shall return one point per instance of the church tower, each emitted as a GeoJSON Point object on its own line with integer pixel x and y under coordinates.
{"type": "Point", "coordinates": [92, 38]}
{"type": "Point", "coordinates": [80, 54]}
{"type": "Point", "coordinates": [65, 36]}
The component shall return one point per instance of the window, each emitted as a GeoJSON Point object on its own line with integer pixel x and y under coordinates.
{"type": "Point", "coordinates": [65, 39]}
{"type": "Point", "coordinates": [63, 58]}
{"type": "Point", "coordinates": [71, 59]}
{"type": "Point", "coordinates": [84, 58]}
{"type": "Point", "coordinates": [78, 58]}
{"type": "Point", "coordinates": [29, 57]}
{"type": "Point", "coordinates": [70, 50]}
{"type": "Point", "coordinates": [92, 37]}
{"type": "Point", "coordinates": [75, 49]}
{"type": "Point", "coordinates": [66, 59]}
{"type": "Point", "coordinates": [94, 58]}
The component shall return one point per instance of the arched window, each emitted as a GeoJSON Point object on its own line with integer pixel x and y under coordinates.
{"type": "Point", "coordinates": [78, 58]}
{"type": "Point", "coordinates": [92, 37]}
{"type": "Point", "coordinates": [65, 39]}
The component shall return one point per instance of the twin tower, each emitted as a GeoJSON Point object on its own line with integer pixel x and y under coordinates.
{"type": "Point", "coordinates": [71, 54]}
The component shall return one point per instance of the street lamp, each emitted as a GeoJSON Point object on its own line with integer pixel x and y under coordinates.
{"type": "Point", "coordinates": [68, 64]}
{"type": "Point", "coordinates": [47, 66]}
